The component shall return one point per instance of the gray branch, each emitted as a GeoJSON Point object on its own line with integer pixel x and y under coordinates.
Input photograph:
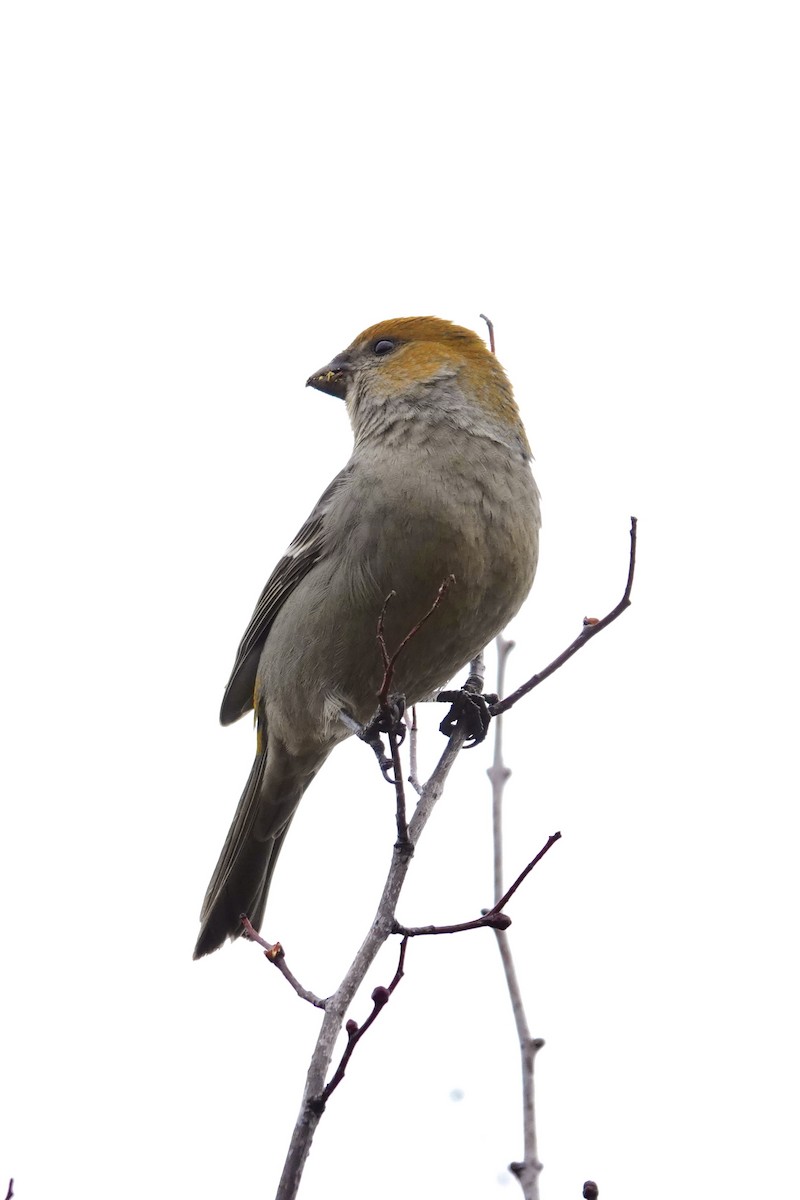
{"type": "Point", "coordinates": [527, 1171]}
{"type": "Point", "coordinates": [336, 1006]}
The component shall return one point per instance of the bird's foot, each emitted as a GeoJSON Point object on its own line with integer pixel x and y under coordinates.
{"type": "Point", "coordinates": [388, 719]}
{"type": "Point", "coordinates": [470, 709]}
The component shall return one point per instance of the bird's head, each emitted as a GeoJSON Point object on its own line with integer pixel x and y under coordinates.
{"type": "Point", "coordinates": [421, 368]}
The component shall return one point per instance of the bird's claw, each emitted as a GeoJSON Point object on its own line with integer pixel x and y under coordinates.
{"type": "Point", "coordinates": [469, 709]}
{"type": "Point", "coordinates": [388, 719]}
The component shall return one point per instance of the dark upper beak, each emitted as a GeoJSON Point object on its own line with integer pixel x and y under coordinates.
{"type": "Point", "coordinates": [333, 378]}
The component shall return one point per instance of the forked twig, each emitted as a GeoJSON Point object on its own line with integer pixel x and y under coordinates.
{"type": "Point", "coordinates": [390, 660]}
{"type": "Point", "coordinates": [493, 918]}
{"type": "Point", "coordinates": [389, 663]}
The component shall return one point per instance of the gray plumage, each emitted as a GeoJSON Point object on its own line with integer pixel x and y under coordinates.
{"type": "Point", "coordinates": [439, 483]}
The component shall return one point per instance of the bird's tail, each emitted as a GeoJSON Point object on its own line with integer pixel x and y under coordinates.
{"type": "Point", "coordinates": [242, 876]}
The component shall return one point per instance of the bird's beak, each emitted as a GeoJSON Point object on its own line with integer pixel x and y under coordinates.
{"type": "Point", "coordinates": [333, 378]}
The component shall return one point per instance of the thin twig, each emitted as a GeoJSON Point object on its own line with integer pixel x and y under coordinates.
{"type": "Point", "coordinates": [590, 629]}
{"type": "Point", "coordinates": [10, 1191]}
{"type": "Point", "coordinates": [490, 326]}
{"type": "Point", "coordinates": [485, 921]}
{"type": "Point", "coordinates": [391, 719]}
{"type": "Point", "coordinates": [493, 918]}
{"type": "Point", "coordinates": [380, 998]}
{"type": "Point", "coordinates": [389, 660]}
{"type": "Point", "coordinates": [275, 953]}
{"type": "Point", "coordinates": [523, 875]}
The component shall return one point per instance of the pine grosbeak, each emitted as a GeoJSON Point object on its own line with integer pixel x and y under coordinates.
{"type": "Point", "coordinates": [439, 483]}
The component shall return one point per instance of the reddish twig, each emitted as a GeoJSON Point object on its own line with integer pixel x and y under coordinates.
{"type": "Point", "coordinates": [275, 953]}
{"type": "Point", "coordinates": [493, 918]}
{"type": "Point", "coordinates": [355, 1032]}
{"type": "Point", "coordinates": [485, 921]}
{"type": "Point", "coordinates": [591, 627]}
{"type": "Point", "coordinates": [504, 899]}
{"type": "Point", "coordinates": [389, 660]}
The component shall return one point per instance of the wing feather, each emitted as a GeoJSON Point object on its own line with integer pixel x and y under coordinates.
{"type": "Point", "coordinates": [306, 550]}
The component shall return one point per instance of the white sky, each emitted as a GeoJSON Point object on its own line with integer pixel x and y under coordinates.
{"type": "Point", "coordinates": [201, 204]}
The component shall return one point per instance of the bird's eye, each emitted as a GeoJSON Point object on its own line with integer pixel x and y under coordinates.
{"type": "Point", "coordinates": [383, 346]}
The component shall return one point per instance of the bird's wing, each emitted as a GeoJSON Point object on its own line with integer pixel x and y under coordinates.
{"type": "Point", "coordinates": [307, 548]}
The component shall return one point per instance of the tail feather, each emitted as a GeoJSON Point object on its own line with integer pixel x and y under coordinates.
{"type": "Point", "coordinates": [242, 875]}
{"type": "Point", "coordinates": [256, 911]}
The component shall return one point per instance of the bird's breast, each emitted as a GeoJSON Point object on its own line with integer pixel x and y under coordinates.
{"type": "Point", "coordinates": [448, 561]}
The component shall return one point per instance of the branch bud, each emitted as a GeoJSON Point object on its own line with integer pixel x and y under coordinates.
{"type": "Point", "coordinates": [498, 921]}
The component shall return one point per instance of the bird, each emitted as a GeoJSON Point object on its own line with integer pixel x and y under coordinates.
{"type": "Point", "coordinates": [439, 484]}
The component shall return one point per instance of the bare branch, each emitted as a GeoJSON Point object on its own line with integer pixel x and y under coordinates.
{"type": "Point", "coordinates": [388, 720]}
{"type": "Point", "coordinates": [591, 627]}
{"type": "Point", "coordinates": [413, 766]}
{"type": "Point", "coordinates": [493, 918]}
{"type": "Point", "coordinates": [389, 661]}
{"type": "Point", "coordinates": [524, 873]}
{"type": "Point", "coordinates": [527, 1171]}
{"type": "Point", "coordinates": [380, 998]}
{"type": "Point", "coordinates": [336, 1005]}
{"type": "Point", "coordinates": [485, 921]}
{"type": "Point", "coordinates": [399, 789]}
{"type": "Point", "coordinates": [477, 673]}
{"type": "Point", "coordinates": [275, 953]}
{"type": "Point", "coordinates": [498, 772]}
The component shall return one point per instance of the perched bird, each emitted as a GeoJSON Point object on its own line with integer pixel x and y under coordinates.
{"type": "Point", "coordinates": [439, 483]}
